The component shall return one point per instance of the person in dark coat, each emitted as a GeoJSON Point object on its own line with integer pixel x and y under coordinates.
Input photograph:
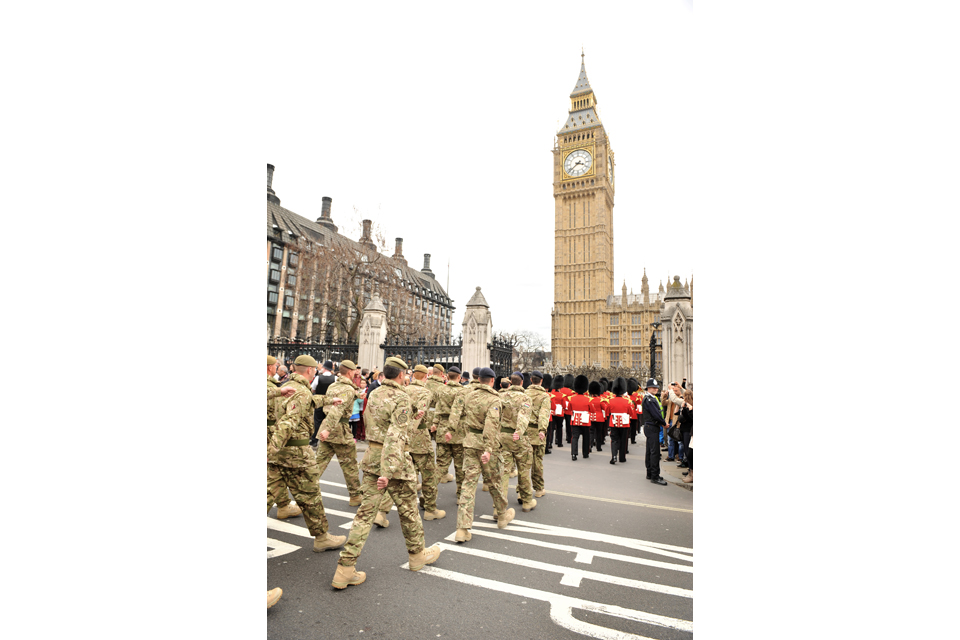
{"type": "Point", "coordinates": [325, 378]}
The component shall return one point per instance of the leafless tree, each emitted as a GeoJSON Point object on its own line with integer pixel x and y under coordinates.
{"type": "Point", "coordinates": [342, 276]}
{"type": "Point", "coordinates": [528, 348]}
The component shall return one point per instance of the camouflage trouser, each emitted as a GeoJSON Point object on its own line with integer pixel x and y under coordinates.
{"type": "Point", "coordinates": [447, 453]}
{"type": "Point", "coordinates": [428, 469]}
{"type": "Point", "coordinates": [472, 468]}
{"type": "Point", "coordinates": [304, 483]}
{"type": "Point", "coordinates": [347, 456]}
{"type": "Point", "coordinates": [513, 454]}
{"type": "Point", "coordinates": [404, 493]}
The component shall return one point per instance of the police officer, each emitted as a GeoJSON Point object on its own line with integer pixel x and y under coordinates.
{"type": "Point", "coordinates": [652, 423]}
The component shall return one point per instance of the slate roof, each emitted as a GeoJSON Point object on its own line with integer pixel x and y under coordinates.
{"type": "Point", "coordinates": [289, 221]}
{"type": "Point", "coordinates": [583, 85]}
{"type": "Point", "coordinates": [582, 119]}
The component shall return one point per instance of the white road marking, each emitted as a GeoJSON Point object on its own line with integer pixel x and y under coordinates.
{"type": "Point", "coordinates": [278, 548]}
{"type": "Point", "coordinates": [630, 543]}
{"type": "Point", "coordinates": [561, 607]}
{"type": "Point", "coordinates": [571, 576]}
{"type": "Point", "coordinates": [585, 556]}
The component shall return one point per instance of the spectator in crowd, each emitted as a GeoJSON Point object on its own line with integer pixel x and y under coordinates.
{"type": "Point", "coordinates": [322, 380]}
{"type": "Point", "coordinates": [282, 374]}
{"type": "Point", "coordinates": [356, 420]}
{"type": "Point", "coordinates": [686, 428]}
{"type": "Point", "coordinates": [376, 377]}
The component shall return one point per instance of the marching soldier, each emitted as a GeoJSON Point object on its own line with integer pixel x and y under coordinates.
{"type": "Point", "coordinates": [580, 417]}
{"type": "Point", "coordinates": [557, 406]}
{"type": "Point", "coordinates": [291, 462]}
{"type": "Point", "coordinates": [449, 441]}
{"type": "Point", "coordinates": [420, 447]}
{"type": "Point", "coordinates": [598, 413]}
{"type": "Point", "coordinates": [481, 448]}
{"type": "Point", "coordinates": [539, 419]}
{"type": "Point", "coordinates": [514, 446]}
{"type": "Point", "coordinates": [336, 437]}
{"type": "Point", "coordinates": [286, 508]}
{"type": "Point", "coordinates": [386, 467]}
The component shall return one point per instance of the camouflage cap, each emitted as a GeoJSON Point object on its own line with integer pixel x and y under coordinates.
{"type": "Point", "coordinates": [439, 367]}
{"type": "Point", "coordinates": [349, 364]}
{"type": "Point", "coordinates": [271, 360]}
{"type": "Point", "coordinates": [305, 361]}
{"type": "Point", "coordinates": [393, 361]}
{"type": "Point", "coordinates": [420, 368]}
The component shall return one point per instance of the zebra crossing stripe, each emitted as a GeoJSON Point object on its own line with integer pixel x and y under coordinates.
{"type": "Point", "coordinates": [571, 576]}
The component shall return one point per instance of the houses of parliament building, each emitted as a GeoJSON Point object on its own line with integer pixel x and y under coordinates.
{"type": "Point", "coordinates": [589, 324]}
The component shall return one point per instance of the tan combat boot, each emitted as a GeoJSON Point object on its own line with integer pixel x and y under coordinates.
{"type": "Point", "coordinates": [355, 502]}
{"type": "Point", "coordinates": [529, 506]}
{"type": "Point", "coordinates": [540, 494]}
{"type": "Point", "coordinates": [381, 520]}
{"type": "Point", "coordinates": [445, 479]}
{"type": "Point", "coordinates": [513, 474]}
{"type": "Point", "coordinates": [327, 541]}
{"type": "Point", "coordinates": [427, 556]}
{"type": "Point", "coordinates": [288, 511]}
{"type": "Point", "coordinates": [505, 518]}
{"type": "Point", "coordinates": [273, 596]}
{"type": "Point", "coordinates": [484, 487]}
{"type": "Point", "coordinates": [450, 477]}
{"type": "Point", "coordinates": [436, 514]}
{"type": "Point", "coordinates": [463, 535]}
{"type": "Point", "coordinates": [346, 576]}
{"type": "Point", "coordinates": [689, 478]}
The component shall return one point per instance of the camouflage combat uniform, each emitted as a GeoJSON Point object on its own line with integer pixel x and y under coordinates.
{"type": "Point", "coordinates": [291, 462]}
{"type": "Point", "coordinates": [452, 451]}
{"type": "Point", "coordinates": [340, 441]}
{"type": "Point", "coordinates": [435, 385]}
{"type": "Point", "coordinates": [514, 418]}
{"type": "Point", "coordinates": [419, 446]}
{"type": "Point", "coordinates": [274, 401]}
{"type": "Point", "coordinates": [539, 417]}
{"type": "Point", "coordinates": [481, 419]}
{"type": "Point", "coordinates": [387, 420]}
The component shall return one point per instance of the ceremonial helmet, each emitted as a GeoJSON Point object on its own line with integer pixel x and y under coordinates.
{"type": "Point", "coordinates": [581, 384]}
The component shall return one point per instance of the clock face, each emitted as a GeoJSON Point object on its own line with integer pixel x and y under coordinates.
{"type": "Point", "coordinates": [578, 163]}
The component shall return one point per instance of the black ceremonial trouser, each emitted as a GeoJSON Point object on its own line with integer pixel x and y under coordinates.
{"type": "Point", "coordinates": [597, 428]}
{"type": "Point", "coordinates": [618, 440]}
{"type": "Point", "coordinates": [651, 433]}
{"type": "Point", "coordinates": [557, 424]}
{"type": "Point", "coordinates": [579, 431]}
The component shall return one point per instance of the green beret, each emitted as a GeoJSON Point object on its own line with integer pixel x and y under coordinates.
{"type": "Point", "coordinates": [439, 367]}
{"type": "Point", "coordinates": [349, 364]}
{"type": "Point", "coordinates": [305, 361]}
{"type": "Point", "coordinates": [271, 360]}
{"type": "Point", "coordinates": [420, 368]}
{"type": "Point", "coordinates": [396, 362]}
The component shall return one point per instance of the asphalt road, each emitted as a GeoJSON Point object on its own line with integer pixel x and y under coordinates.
{"type": "Point", "coordinates": [609, 555]}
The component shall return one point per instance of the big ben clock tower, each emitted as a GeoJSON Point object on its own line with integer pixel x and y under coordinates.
{"type": "Point", "coordinates": [583, 188]}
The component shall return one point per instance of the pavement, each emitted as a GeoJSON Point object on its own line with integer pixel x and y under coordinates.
{"type": "Point", "coordinates": [668, 470]}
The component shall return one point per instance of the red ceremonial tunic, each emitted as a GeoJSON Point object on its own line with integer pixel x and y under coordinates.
{"type": "Point", "coordinates": [598, 409]}
{"type": "Point", "coordinates": [619, 409]}
{"type": "Point", "coordinates": [580, 410]}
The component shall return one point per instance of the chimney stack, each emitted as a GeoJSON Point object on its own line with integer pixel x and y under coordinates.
{"type": "Point", "coordinates": [426, 265]}
{"type": "Point", "coordinates": [398, 252]}
{"type": "Point", "coordinates": [325, 218]}
{"type": "Point", "coordinates": [365, 239]}
{"type": "Point", "coordinates": [271, 194]}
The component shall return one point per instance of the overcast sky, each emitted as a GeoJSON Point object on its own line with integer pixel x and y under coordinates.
{"type": "Point", "coordinates": [443, 135]}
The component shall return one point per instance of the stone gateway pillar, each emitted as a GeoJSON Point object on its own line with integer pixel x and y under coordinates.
{"type": "Point", "coordinates": [373, 331]}
{"type": "Point", "coordinates": [477, 333]}
{"type": "Point", "coordinates": [677, 319]}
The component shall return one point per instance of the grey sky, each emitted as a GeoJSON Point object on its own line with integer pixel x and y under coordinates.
{"type": "Point", "coordinates": [443, 136]}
